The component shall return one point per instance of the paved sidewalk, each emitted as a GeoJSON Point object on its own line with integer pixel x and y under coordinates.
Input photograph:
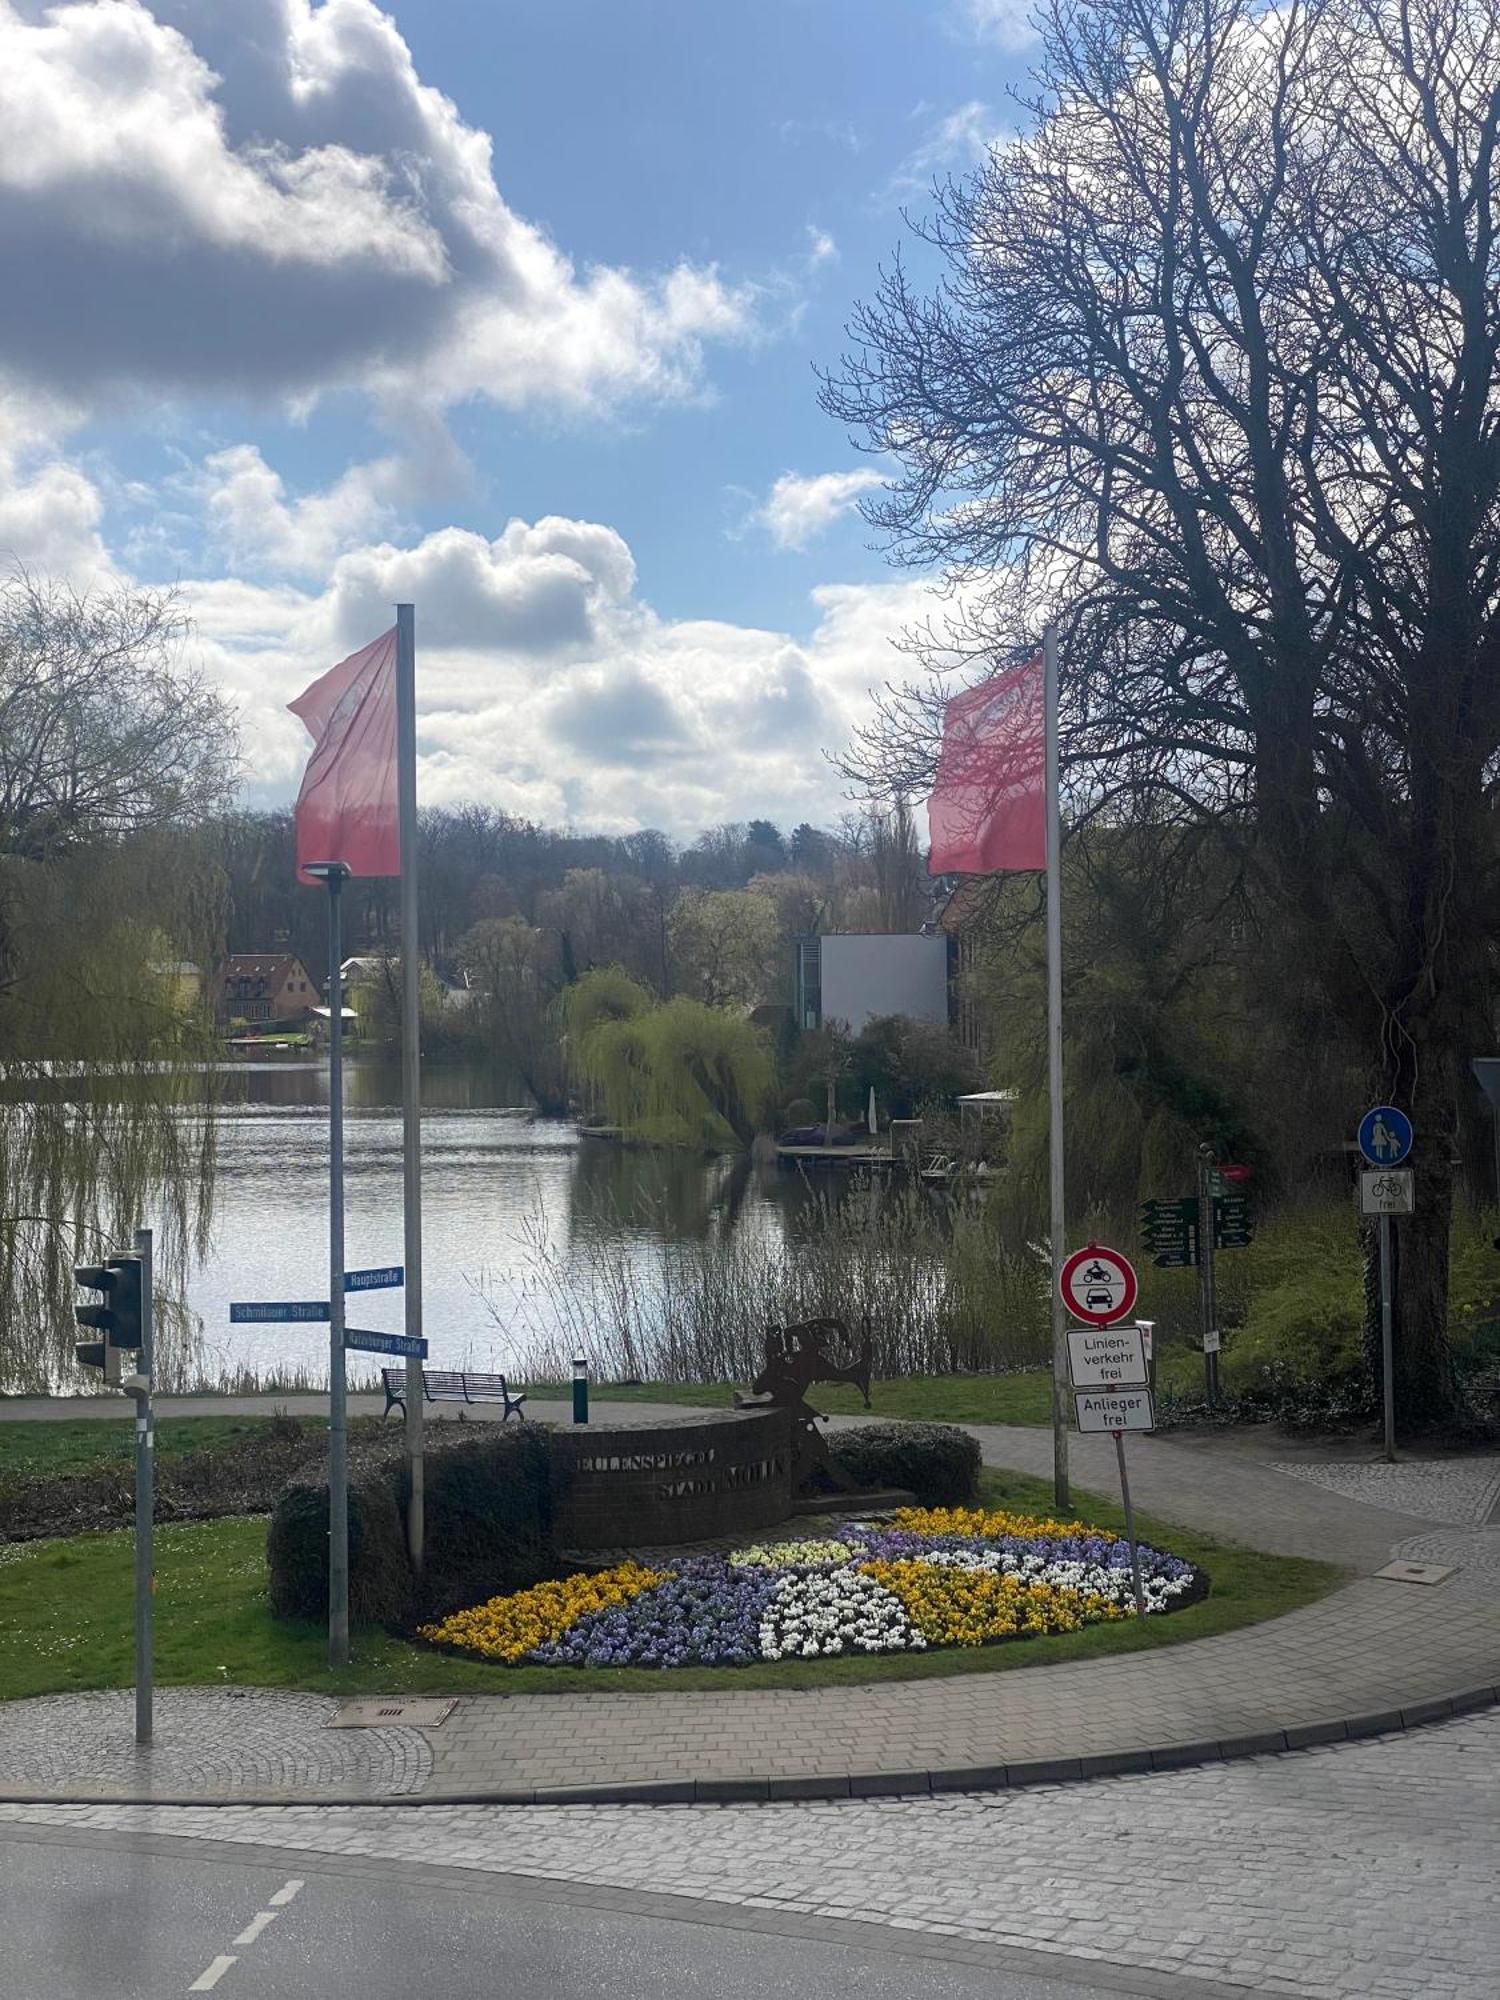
{"type": "Point", "coordinates": [1374, 1655]}
{"type": "Point", "coordinates": [1359, 1870]}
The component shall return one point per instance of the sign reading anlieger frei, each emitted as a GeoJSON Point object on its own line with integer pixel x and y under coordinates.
{"type": "Point", "coordinates": [1098, 1285]}
{"type": "Point", "coordinates": [1114, 1410]}
{"type": "Point", "coordinates": [1107, 1357]}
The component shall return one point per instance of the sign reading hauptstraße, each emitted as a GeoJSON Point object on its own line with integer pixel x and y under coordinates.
{"type": "Point", "coordinates": [1107, 1357]}
{"type": "Point", "coordinates": [1114, 1410]}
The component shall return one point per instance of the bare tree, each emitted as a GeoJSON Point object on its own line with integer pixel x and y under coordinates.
{"type": "Point", "coordinates": [104, 729]}
{"type": "Point", "coordinates": [1212, 376]}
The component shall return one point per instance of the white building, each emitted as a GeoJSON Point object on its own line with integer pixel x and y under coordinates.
{"type": "Point", "coordinates": [856, 976]}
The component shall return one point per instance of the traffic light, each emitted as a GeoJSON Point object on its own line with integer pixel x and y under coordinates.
{"type": "Point", "coordinates": [117, 1316]}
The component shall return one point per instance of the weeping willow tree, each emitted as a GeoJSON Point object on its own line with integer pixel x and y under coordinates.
{"type": "Point", "coordinates": [678, 1074]}
{"type": "Point", "coordinates": [109, 740]}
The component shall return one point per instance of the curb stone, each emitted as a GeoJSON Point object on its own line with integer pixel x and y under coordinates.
{"type": "Point", "coordinates": [833, 1785]}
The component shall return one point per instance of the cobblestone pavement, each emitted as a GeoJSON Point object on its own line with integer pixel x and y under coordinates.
{"type": "Point", "coordinates": [1459, 1491]}
{"type": "Point", "coordinates": [210, 1741]}
{"type": "Point", "coordinates": [1368, 1869]}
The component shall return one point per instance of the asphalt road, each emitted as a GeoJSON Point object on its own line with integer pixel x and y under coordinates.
{"type": "Point", "coordinates": [88, 1915]}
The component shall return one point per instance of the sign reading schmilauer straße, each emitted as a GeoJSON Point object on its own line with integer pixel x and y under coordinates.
{"type": "Point", "coordinates": [1107, 1357]}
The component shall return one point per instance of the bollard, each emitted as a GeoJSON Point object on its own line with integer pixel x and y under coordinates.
{"type": "Point", "coordinates": [580, 1390]}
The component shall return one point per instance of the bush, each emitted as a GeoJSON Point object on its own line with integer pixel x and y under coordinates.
{"type": "Point", "coordinates": [488, 1518]}
{"type": "Point", "coordinates": [380, 1578]}
{"type": "Point", "coordinates": [488, 1529]}
{"type": "Point", "coordinates": [937, 1462]}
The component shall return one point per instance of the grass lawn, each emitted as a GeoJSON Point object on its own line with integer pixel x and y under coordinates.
{"type": "Point", "coordinates": [66, 1610]}
{"type": "Point", "coordinates": [939, 1399]}
{"type": "Point", "coordinates": [73, 1444]}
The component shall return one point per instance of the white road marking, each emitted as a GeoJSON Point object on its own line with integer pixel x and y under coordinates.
{"type": "Point", "coordinates": [255, 1926]}
{"type": "Point", "coordinates": [285, 1893]}
{"type": "Point", "coordinates": [209, 1979]}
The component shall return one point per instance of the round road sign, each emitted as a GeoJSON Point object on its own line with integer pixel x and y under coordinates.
{"type": "Point", "coordinates": [1385, 1135]}
{"type": "Point", "coordinates": [1098, 1285]}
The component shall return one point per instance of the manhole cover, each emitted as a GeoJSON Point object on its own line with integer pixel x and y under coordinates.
{"type": "Point", "coordinates": [1412, 1572]}
{"type": "Point", "coordinates": [373, 1713]}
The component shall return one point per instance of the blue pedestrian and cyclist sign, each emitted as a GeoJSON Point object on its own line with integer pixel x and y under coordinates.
{"type": "Point", "coordinates": [1385, 1135]}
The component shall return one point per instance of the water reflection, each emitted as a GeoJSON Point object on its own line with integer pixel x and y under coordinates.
{"type": "Point", "coordinates": [505, 1196]}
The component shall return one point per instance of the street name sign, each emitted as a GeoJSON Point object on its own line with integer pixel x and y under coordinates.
{"type": "Point", "coordinates": [272, 1309]}
{"type": "Point", "coordinates": [385, 1343]}
{"type": "Point", "coordinates": [1106, 1357]}
{"type": "Point", "coordinates": [1387, 1191]}
{"type": "Point", "coordinates": [1385, 1135]}
{"type": "Point", "coordinates": [379, 1279]}
{"type": "Point", "coordinates": [1114, 1410]}
{"type": "Point", "coordinates": [1098, 1285]}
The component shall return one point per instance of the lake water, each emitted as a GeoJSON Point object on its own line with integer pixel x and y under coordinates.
{"type": "Point", "coordinates": [504, 1196]}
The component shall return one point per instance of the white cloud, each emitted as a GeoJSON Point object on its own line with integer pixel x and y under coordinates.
{"type": "Point", "coordinates": [547, 685]}
{"type": "Point", "coordinates": [268, 198]}
{"type": "Point", "coordinates": [1006, 22]}
{"type": "Point", "coordinates": [802, 505]}
{"type": "Point", "coordinates": [956, 142]}
{"type": "Point", "coordinates": [821, 248]}
{"type": "Point", "coordinates": [249, 517]}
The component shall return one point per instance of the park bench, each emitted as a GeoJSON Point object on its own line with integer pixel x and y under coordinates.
{"type": "Point", "coordinates": [452, 1385]}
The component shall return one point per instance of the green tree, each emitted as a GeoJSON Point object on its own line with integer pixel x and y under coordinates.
{"type": "Point", "coordinates": [724, 946]}
{"type": "Point", "coordinates": [514, 969]}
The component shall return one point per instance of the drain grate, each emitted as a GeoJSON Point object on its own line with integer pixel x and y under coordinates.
{"type": "Point", "coordinates": [390, 1713]}
{"type": "Point", "coordinates": [1414, 1572]}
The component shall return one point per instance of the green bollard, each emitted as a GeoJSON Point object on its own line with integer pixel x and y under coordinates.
{"type": "Point", "coordinates": [580, 1390]}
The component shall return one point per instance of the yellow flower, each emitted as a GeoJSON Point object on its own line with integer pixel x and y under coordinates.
{"type": "Point", "coordinates": [508, 1628]}
{"type": "Point", "coordinates": [961, 1607]}
{"type": "Point", "coordinates": [975, 1521]}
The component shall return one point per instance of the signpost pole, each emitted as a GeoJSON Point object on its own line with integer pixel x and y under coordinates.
{"type": "Point", "coordinates": [411, 1064]}
{"type": "Point", "coordinates": [1207, 1302]}
{"type": "Point", "coordinates": [338, 1435]}
{"type": "Point", "coordinates": [1058, 1218]}
{"type": "Point", "coordinates": [145, 1511]}
{"type": "Point", "coordinates": [1387, 1343]}
{"type": "Point", "coordinates": [1135, 1554]}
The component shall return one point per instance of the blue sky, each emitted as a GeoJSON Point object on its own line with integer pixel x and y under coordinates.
{"type": "Point", "coordinates": [512, 309]}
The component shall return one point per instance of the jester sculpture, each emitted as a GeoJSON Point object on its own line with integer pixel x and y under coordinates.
{"type": "Point", "coordinates": [796, 1357]}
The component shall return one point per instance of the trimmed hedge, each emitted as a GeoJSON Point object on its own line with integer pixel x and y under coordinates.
{"type": "Point", "coordinates": [488, 1529]}
{"type": "Point", "coordinates": [380, 1578]}
{"type": "Point", "coordinates": [937, 1462]}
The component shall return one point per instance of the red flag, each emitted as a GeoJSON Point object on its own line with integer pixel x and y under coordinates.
{"type": "Point", "coordinates": [346, 809]}
{"type": "Point", "coordinates": [988, 809]}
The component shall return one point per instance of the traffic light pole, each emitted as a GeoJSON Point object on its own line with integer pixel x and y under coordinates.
{"type": "Point", "coordinates": [1206, 1288]}
{"type": "Point", "coordinates": [145, 1499]}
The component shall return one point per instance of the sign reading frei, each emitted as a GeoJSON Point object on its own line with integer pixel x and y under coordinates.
{"type": "Point", "coordinates": [1387, 1191]}
{"type": "Point", "coordinates": [1106, 1357]}
{"type": "Point", "coordinates": [1114, 1410]}
{"type": "Point", "coordinates": [1098, 1285]}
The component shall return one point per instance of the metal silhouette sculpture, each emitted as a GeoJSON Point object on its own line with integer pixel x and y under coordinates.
{"type": "Point", "coordinates": [797, 1356]}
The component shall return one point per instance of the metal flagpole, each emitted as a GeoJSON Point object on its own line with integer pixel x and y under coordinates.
{"type": "Point", "coordinates": [411, 1062]}
{"type": "Point", "coordinates": [1055, 1074]}
{"type": "Point", "coordinates": [333, 873]}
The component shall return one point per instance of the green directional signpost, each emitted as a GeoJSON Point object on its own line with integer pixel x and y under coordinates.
{"type": "Point", "coordinates": [1170, 1231]}
{"type": "Point", "coordinates": [1184, 1233]}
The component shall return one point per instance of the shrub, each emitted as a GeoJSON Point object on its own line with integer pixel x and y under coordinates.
{"type": "Point", "coordinates": [937, 1462]}
{"type": "Point", "coordinates": [380, 1578]}
{"type": "Point", "coordinates": [488, 1513]}
{"type": "Point", "coordinates": [488, 1523]}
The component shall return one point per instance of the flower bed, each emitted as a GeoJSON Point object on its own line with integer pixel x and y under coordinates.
{"type": "Point", "coordinates": [927, 1577]}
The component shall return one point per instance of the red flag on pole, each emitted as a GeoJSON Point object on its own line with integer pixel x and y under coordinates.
{"type": "Point", "coordinates": [988, 809]}
{"type": "Point", "coordinates": [346, 809]}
